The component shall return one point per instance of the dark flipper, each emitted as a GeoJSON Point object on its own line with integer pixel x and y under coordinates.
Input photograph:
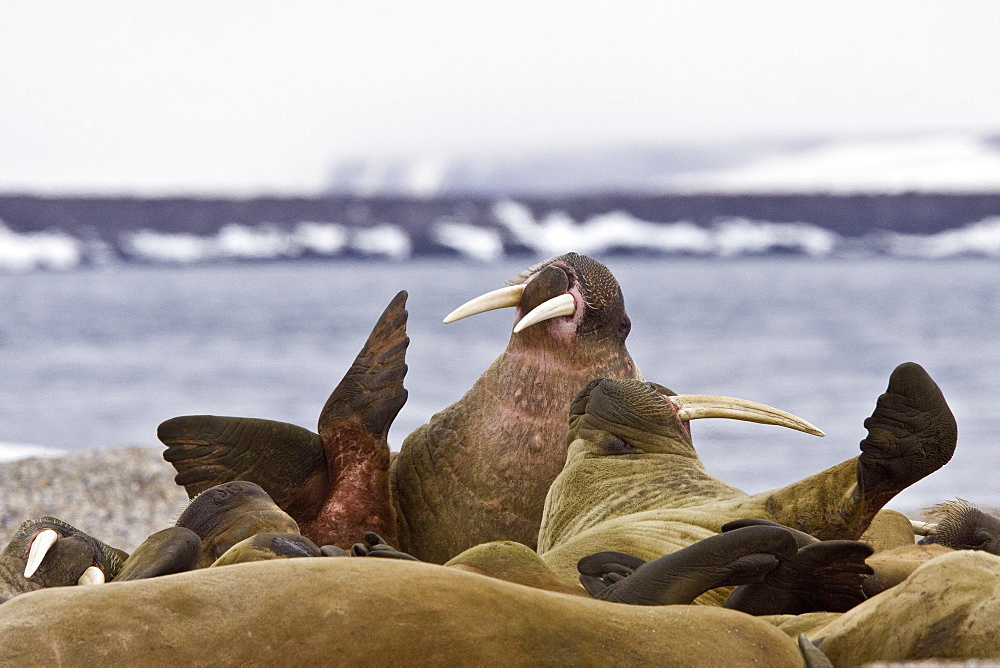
{"type": "Point", "coordinates": [733, 558]}
{"type": "Point", "coordinates": [172, 550]}
{"type": "Point", "coordinates": [288, 462]}
{"type": "Point", "coordinates": [801, 537]}
{"type": "Point", "coordinates": [911, 434]}
{"type": "Point", "coordinates": [599, 571]}
{"type": "Point", "coordinates": [371, 393]}
{"type": "Point", "coordinates": [375, 546]}
{"type": "Point", "coordinates": [813, 655]}
{"type": "Point", "coordinates": [821, 577]}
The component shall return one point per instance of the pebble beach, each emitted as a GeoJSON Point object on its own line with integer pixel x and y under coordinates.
{"type": "Point", "coordinates": [120, 495]}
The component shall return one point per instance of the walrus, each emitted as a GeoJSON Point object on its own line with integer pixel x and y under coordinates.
{"type": "Point", "coordinates": [776, 570]}
{"type": "Point", "coordinates": [945, 609]}
{"type": "Point", "coordinates": [335, 484]}
{"type": "Point", "coordinates": [266, 546]}
{"type": "Point", "coordinates": [480, 469]}
{"type": "Point", "coordinates": [369, 611]}
{"type": "Point", "coordinates": [172, 550]}
{"type": "Point", "coordinates": [47, 552]}
{"type": "Point", "coordinates": [633, 482]}
{"type": "Point", "coordinates": [960, 525]}
{"type": "Point", "coordinates": [227, 514]}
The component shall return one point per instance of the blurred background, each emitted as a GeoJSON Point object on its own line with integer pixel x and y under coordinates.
{"type": "Point", "coordinates": [205, 206]}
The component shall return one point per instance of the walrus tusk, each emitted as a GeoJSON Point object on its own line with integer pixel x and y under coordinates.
{"type": "Point", "coordinates": [564, 304]}
{"type": "Point", "coordinates": [39, 548]}
{"type": "Point", "coordinates": [923, 528]}
{"type": "Point", "coordinates": [695, 406]}
{"type": "Point", "coordinates": [502, 298]}
{"type": "Point", "coordinates": [92, 576]}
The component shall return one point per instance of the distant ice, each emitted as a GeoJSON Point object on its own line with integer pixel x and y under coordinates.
{"type": "Point", "coordinates": [558, 233]}
{"type": "Point", "coordinates": [385, 240]}
{"type": "Point", "coordinates": [942, 163]}
{"type": "Point", "coordinates": [38, 250]}
{"type": "Point", "coordinates": [237, 242]}
{"type": "Point", "coordinates": [982, 238]}
{"type": "Point", "coordinates": [481, 243]}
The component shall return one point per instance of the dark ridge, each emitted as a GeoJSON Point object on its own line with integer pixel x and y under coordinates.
{"type": "Point", "coordinates": [107, 218]}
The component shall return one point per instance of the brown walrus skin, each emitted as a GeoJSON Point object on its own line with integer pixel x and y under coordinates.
{"type": "Point", "coordinates": [480, 469]}
{"type": "Point", "coordinates": [367, 612]}
{"type": "Point", "coordinates": [334, 483]}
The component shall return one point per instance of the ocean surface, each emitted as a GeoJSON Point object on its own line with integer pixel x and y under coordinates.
{"type": "Point", "coordinates": [97, 357]}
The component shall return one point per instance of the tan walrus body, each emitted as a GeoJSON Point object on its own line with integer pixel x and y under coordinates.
{"type": "Point", "coordinates": [367, 612]}
{"type": "Point", "coordinates": [480, 469]}
{"type": "Point", "coordinates": [633, 482]}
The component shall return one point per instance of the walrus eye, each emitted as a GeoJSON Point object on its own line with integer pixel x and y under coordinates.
{"type": "Point", "coordinates": [624, 326]}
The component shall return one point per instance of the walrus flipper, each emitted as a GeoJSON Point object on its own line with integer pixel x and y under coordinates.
{"type": "Point", "coordinates": [287, 461]}
{"type": "Point", "coordinates": [824, 576]}
{"type": "Point", "coordinates": [172, 550]}
{"type": "Point", "coordinates": [911, 434]}
{"type": "Point", "coordinates": [737, 557]}
{"type": "Point", "coordinates": [371, 394]}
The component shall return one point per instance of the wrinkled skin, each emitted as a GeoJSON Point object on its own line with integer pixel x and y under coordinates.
{"type": "Point", "coordinates": [962, 526]}
{"type": "Point", "coordinates": [480, 469]}
{"type": "Point", "coordinates": [633, 482]}
{"type": "Point", "coordinates": [778, 570]}
{"type": "Point", "coordinates": [334, 483]}
{"type": "Point", "coordinates": [71, 555]}
{"type": "Point", "coordinates": [226, 514]}
{"type": "Point", "coordinates": [735, 558]}
{"type": "Point", "coordinates": [945, 609]}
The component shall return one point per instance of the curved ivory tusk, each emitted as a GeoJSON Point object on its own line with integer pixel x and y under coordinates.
{"type": "Point", "coordinates": [502, 298]}
{"type": "Point", "coordinates": [923, 528]}
{"type": "Point", "coordinates": [564, 304]}
{"type": "Point", "coordinates": [40, 546]}
{"type": "Point", "coordinates": [695, 406]}
{"type": "Point", "coordinates": [92, 576]}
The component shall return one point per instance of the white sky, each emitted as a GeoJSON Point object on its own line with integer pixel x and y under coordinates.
{"type": "Point", "coordinates": [239, 96]}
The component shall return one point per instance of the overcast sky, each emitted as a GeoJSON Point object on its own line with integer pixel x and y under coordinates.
{"type": "Point", "coordinates": [245, 96]}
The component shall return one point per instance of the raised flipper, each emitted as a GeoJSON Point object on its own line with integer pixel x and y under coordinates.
{"type": "Point", "coordinates": [298, 468]}
{"type": "Point", "coordinates": [733, 558]}
{"type": "Point", "coordinates": [172, 550]}
{"type": "Point", "coordinates": [911, 434]}
{"type": "Point", "coordinates": [823, 576]}
{"type": "Point", "coordinates": [288, 462]}
{"type": "Point", "coordinates": [371, 393]}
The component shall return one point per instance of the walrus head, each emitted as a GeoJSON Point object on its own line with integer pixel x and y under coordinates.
{"type": "Point", "coordinates": [620, 417]}
{"type": "Point", "coordinates": [573, 294]}
{"type": "Point", "coordinates": [226, 514]}
{"type": "Point", "coordinates": [962, 526]}
{"type": "Point", "coordinates": [47, 552]}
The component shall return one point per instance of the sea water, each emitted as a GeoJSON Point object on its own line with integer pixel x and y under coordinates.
{"type": "Point", "coordinates": [97, 358]}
